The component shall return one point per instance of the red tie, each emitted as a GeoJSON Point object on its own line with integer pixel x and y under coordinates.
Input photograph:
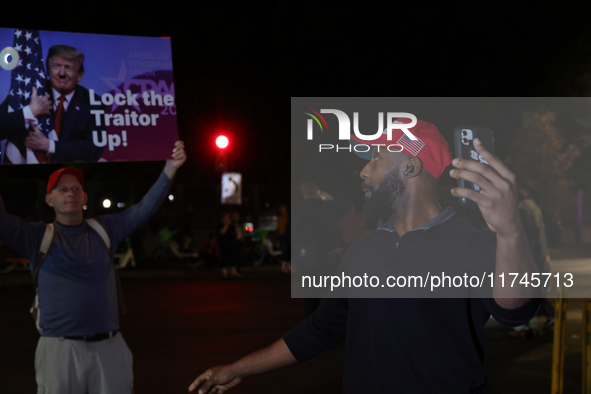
{"type": "Point", "coordinates": [59, 118]}
{"type": "Point", "coordinates": [59, 115]}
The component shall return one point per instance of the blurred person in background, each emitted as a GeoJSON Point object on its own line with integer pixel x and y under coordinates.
{"type": "Point", "coordinates": [240, 236]}
{"type": "Point", "coordinates": [282, 220]}
{"type": "Point", "coordinates": [209, 251]}
{"type": "Point", "coordinates": [228, 237]}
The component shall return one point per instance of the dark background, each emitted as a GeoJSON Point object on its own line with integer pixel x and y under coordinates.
{"type": "Point", "coordinates": [236, 65]}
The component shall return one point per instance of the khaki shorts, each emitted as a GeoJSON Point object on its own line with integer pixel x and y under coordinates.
{"type": "Point", "coordinates": [74, 366]}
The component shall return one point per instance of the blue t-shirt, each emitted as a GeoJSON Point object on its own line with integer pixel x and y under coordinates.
{"type": "Point", "coordinates": [76, 283]}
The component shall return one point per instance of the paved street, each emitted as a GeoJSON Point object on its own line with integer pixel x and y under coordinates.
{"type": "Point", "coordinates": [179, 323]}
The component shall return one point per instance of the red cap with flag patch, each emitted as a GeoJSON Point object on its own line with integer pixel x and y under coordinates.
{"type": "Point", "coordinates": [430, 146]}
{"type": "Point", "coordinates": [53, 178]}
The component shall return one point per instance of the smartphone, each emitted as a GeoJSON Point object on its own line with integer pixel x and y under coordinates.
{"type": "Point", "coordinates": [464, 149]}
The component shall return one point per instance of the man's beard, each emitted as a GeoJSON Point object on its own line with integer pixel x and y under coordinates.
{"type": "Point", "coordinates": [379, 204]}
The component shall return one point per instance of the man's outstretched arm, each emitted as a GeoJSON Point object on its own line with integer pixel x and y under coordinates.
{"type": "Point", "coordinates": [122, 224]}
{"type": "Point", "coordinates": [221, 378]}
{"type": "Point", "coordinates": [24, 238]}
{"type": "Point", "coordinates": [321, 331]}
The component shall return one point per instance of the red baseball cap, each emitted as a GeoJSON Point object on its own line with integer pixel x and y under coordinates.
{"type": "Point", "coordinates": [430, 146]}
{"type": "Point", "coordinates": [53, 178]}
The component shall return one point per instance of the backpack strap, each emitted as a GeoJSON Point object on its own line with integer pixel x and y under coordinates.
{"type": "Point", "coordinates": [43, 249]}
{"type": "Point", "coordinates": [98, 227]}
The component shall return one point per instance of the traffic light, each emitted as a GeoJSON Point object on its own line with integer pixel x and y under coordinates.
{"type": "Point", "coordinates": [221, 158]}
{"type": "Point", "coordinates": [222, 142]}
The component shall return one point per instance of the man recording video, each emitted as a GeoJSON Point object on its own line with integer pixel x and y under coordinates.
{"type": "Point", "coordinates": [413, 345]}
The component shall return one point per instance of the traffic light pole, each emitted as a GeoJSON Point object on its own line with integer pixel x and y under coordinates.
{"type": "Point", "coordinates": [221, 161]}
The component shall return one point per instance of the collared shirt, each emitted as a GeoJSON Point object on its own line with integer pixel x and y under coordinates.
{"type": "Point", "coordinates": [56, 101]}
{"type": "Point", "coordinates": [443, 216]}
{"type": "Point", "coordinates": [411, 345]}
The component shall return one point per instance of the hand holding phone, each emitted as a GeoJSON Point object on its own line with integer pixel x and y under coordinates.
{"type": "Point", "coordinates": [464, 149]}
{"type": "Point", "coordinates": [497, 190]}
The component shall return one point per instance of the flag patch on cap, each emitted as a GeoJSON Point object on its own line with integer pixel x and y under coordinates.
{"type": "Point", "coordinates": [412, 147]}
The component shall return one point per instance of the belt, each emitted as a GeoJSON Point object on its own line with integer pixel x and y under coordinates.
{"type": "Point", "coordinates": [93, 338]}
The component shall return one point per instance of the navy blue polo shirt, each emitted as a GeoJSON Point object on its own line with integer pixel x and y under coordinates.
{"type": "Point", "coordinates": [411, 345]}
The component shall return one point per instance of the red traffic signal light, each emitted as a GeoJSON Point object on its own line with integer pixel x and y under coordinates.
{"type": "Point", "coordinates": [221, 141]}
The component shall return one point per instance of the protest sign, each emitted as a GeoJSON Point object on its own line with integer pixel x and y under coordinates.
{"type": "Point", "coordinates": [119, 97]}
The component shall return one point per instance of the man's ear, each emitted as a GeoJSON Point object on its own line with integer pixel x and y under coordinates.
{"type": "Point", "coordinates": [85, 197]}
{"type": "Point", "coordinates": [80, 75]}
{"type": "Point", "coordinates": [413, 168]}
{"type": "Point", "coordinates": [48, 200]}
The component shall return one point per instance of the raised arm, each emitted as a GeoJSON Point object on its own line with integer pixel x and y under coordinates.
{"type": "Point", "coordinates": [178, 159]}
{"type": "Point", "coordinates": [223, 377]}
{"type": "Point", "coordinates": [497, 201]}
{"type": "Point", "coordinates": [122, 224]}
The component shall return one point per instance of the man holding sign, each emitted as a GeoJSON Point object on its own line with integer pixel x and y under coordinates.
{"type": "Point", "coordinates": [80, 349]}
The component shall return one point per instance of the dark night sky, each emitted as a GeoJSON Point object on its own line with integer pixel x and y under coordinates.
{"type": "Point", "coordinates": [235, 67]}
{"type": "Point", "coordinates": [227, 78]}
